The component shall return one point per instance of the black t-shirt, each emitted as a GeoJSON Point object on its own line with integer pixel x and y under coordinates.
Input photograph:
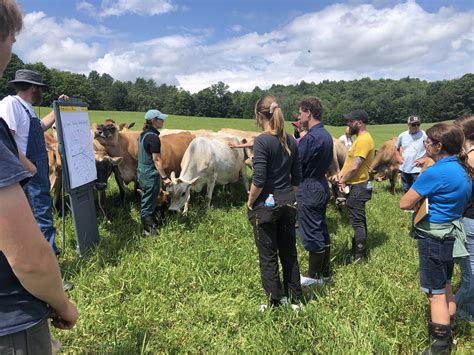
{"type": "Point", "coordinates": [152, 143]}
{"type": "Point", "coordinates": [19, 310]}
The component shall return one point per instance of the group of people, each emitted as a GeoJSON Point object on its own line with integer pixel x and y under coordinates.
{"type": "Point", "coordinates": [289, 187]}
{"type": "Point", "coordinates": [291, 174]}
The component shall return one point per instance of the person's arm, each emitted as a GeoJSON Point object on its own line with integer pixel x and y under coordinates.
{"type": "Point", "coordinates": [356, 164]}
{"type": "Point", "coordinates": [410, 200]}
{"type": "Point", "coordinates": [50, 118]}
{"type": "Point", "coordinates": [253, 195]}
{"type": "Point", "coordinates": [29, 166]}
{"type": "Point", "coordinates": [241, 145]}
{"type": "Point", "coordinates": [159, 167]}
{"type": "Point", "coordinates": [399, 150]}
{"type": "Point", "coordinates": [31, 257]}
{"type": "Point", "coordinates": [259, 172]}
{"type": "Point", "coordinates": [296, 173]}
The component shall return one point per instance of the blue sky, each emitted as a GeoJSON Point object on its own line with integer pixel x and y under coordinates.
{"type": "Point", "coordinates": [194, 44]}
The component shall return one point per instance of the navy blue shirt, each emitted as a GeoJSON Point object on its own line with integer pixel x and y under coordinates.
{"type": "Point", "coordinates": [316, 152]}
{"type": "Point", "coordinates": [19, 310]}
{"type": "Point", "coordinates": [447, 187]}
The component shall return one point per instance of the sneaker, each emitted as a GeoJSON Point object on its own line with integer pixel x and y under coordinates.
{"type": "Point", "coordinates": [296, 307]}
{"type": "Point", "coordinates": [308, 281]}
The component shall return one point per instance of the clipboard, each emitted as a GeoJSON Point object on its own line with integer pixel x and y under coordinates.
{"type": "Point", "coordinates": [421, 212]}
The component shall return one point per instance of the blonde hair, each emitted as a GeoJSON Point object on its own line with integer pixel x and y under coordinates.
{"type": "Point", "coordinates": [11, 20]}
{"type": "Point", "coordinates": [274, 118]}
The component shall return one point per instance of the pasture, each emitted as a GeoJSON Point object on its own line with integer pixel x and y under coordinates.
{"type": "Point", "coordinates": [196, 288]}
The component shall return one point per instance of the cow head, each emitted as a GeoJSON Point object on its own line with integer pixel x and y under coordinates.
{"type": "Point", "coordinates": [179, 191]}
{"type": "Point", "coordinates": [106, 133]}
{"type": "Point", "coordinates": [105, 166]}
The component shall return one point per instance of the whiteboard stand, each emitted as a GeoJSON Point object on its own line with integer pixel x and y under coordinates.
{"type": "Point", "coordinates": [78, 171]}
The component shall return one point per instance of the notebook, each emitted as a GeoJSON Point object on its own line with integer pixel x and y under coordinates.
{"type": "Point", "coordinates": [421, 212]}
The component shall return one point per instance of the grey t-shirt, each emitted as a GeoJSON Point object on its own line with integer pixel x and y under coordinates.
{"type": "Point", "coordinates": [274, 169]}
{"type": "Point", "coordinates": [413, 149]}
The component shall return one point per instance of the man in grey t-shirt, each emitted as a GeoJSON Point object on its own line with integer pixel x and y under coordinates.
{"type": "Point", "coordinates": [411, 152]}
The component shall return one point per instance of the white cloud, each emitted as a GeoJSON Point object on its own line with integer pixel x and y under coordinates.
{"type": "Point", "coordinates": [121, 7]}
{"type": "Point", "coordinates": [340, 42]}
{"type": "Point", "coordinates": [237, 28]}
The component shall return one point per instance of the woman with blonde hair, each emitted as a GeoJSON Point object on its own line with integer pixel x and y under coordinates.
{"type": "Point", "coordinates": [441, 237]}
{"type": "Point", "coordinates": [465, 294]}
{"type": "Point", "coordinates": [271, 204]}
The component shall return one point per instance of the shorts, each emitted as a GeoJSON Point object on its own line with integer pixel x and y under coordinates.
{"type": "Point", "coordinates": [436, 264]}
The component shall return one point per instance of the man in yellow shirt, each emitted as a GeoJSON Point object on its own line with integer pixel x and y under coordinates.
{"type": "Point", "coordinates": [354, 177]}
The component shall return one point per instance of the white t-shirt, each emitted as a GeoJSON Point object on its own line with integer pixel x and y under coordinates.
{"type": "Point", "coordinates": [16, 118]}
{"type": "Point", "coordinates": [413, 149]}
{"type": "Point", "coordinates": [347, 141]}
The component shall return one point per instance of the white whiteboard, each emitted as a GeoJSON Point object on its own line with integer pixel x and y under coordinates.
{"type": "Point", "coordinates": [78, 146]}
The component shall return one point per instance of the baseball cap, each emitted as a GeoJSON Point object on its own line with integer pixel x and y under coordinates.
{"type": "Point", "coordinates": [357, 115]}
{"type": "Point", "coordinates": [151, 114]}
{"type": "Point", "coordinates": [413, 119]}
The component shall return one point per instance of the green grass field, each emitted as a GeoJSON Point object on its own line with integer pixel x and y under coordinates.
{"type": "Point", "coordinates": [196, 288]}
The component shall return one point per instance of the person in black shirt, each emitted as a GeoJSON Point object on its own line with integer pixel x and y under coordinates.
{"type": "Point", "coordinates": [271, 204]}
{"type": "Point", "coordinates": [150, 169]}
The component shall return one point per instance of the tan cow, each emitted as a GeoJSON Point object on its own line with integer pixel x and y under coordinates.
{"type": "Point", "coordinates": [385, 164]}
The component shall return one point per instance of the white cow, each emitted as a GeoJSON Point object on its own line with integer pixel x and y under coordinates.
{"type": "Point", "coordinates": [206, 162]}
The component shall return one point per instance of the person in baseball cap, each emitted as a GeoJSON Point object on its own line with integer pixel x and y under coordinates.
{"type": "Point", "coordinates": [150, 169]}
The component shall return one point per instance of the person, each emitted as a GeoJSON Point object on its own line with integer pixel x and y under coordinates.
{"type": "Point", "coordinates": [440, 234]}
{"type": "Point", "coordinates": [30, 280]}
{"type": "Point", "coordinates": [346, 138]}
{"type": "Point", "coordinates": [271, 204]}
{"type": "Point", "coordinates": [410, 152]}
{"type": "Point", "coordinates": [316, 154]}
{"type": "Point", "coordinates": [28, 130]}
{"type": "Point", "coordinates": [355, 175]}
{"type": "Point", "coordinates": [465, 295]}
{"type": "Point", "coordinates": [150, 169]}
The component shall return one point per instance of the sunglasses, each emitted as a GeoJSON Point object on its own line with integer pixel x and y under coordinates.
{"type": "Point", "coordinates": [415, 124]}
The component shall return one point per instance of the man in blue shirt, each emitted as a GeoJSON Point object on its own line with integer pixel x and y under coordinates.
{"type": "Point", "coordinates": [411, 152]}
{"type": "Point", "coordinates": [316, 154]}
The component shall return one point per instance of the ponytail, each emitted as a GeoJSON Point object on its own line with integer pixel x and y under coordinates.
{"type": "Point", "coordinates": [277, 123]}
{"type": "Point", "coordinates": [464, 161]}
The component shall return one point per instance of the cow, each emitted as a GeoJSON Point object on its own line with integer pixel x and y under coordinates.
{"type": "Point", "coordinates": [339, 156]}
{"type": "Point", "coordinates": [206, 162]}
{"type": "Point", "coordinates": [245, 137]}
{"type": "Point", "coordinates": [385, 164]}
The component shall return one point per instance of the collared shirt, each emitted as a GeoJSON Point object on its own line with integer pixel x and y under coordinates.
{"type": "Point", "coordinates": [16, 118]}
{"type": "Point", "coordinates": [447, 187]}
{"type": "Point", "coordinates": [412, 150]}
{"type": "Point", "coordinates": [316, 152]}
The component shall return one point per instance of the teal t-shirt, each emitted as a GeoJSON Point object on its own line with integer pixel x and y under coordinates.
{"type": "Point", "coordinates": [448, 188]}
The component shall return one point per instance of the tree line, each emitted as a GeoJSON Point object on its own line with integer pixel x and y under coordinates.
{"type": "Point", "coordinates": [385, 100]}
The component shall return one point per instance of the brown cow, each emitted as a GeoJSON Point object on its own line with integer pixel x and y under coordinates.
{"type": "Point", "coordinates": [339, 156]}
{"type": "Point", "coordinates": [385, 164]}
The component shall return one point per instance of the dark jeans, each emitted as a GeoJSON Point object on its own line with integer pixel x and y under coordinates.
{"type": "Point", "coordinates": [34, 340]}
{"type": "Point", "coordinates": [408, 180]}
{"type": "Point", "coordinates": [313, 196]}
{"type": "Point", "coordinates": [275, 237]}
{"type": "Point", "coordinates": [358, 196]}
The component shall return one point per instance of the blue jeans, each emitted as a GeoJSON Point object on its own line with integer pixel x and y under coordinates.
{"type": "Point", "coordinates": [465, 294]}
{"type": "Point", "coordinates": [436, 264]}
{"type": "Point", "coordinates": [408, 180]}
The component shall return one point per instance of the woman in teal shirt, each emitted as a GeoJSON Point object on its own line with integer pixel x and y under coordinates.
{"type": "Point", "coordinates": [447, 185]}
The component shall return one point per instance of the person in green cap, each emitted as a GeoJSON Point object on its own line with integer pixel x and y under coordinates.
{"type": "Point", "coordinates": [150, 169]}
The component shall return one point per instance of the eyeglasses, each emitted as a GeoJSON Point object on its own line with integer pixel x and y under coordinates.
{"type": "Point", "coordinates": [427, 142]}
{"type": "Point", "coordinates": [415, 124]}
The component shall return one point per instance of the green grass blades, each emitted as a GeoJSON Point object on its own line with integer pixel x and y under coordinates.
{"type": "Point", "coordinates": [196, 288]}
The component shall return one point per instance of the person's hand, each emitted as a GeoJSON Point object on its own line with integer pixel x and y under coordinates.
{"type": "Point", "coordinates": [66, 319]}
{"type": "Point", "coordinates": [341, 186]}
{"type": "Point", "coordinates": [63, 97]}
{"type": "Point", "coordinates": [250, 205]}
{"type": "Point", "coordinates": [419, 162]}
{"type": "Point", "coordinates": [32, 168]}
{"type": "Point", "coordinates": [167, 181]}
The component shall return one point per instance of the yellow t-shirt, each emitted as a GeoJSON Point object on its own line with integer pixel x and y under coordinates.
{"type": "Point", "coordinates": [363, 147]}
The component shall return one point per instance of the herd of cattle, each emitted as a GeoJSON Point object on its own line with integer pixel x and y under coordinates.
{"type": "Point", "coordinates": [192, 159]}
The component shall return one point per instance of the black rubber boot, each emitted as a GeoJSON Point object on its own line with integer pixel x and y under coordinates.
{"type": "Point", "coordinates": [440, 339]}
{"type": "Point", "coordinates": [359, 247]}
{"type": "Point", "coordinates": [315, 264]}
{"type": "Point", "coordinates": [149, 226]}
{"type": "Point", "coordinates": [327, 263]}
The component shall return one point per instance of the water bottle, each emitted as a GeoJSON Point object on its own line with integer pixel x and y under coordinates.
{"type": "Point", "coordinates": [270, 201]}
{"type": "Point", "coordinates": [369, 186]}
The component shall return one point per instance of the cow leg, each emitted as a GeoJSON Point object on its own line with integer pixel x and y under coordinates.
{"type": "Point", "coordinates": [393, 181]}
{"type": "Point", "coordinates": [101, 200]}
{"type": "Point", "coordinates": [57, 195]}
{"type": "Point", "coordinates": [210, 189]}
{"type": "Point", "coordinates": [120, 184]}
{"type": "Point", "coordinates": [186, 204]}
{"type": "Point", "coordinates": [245, 178]}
